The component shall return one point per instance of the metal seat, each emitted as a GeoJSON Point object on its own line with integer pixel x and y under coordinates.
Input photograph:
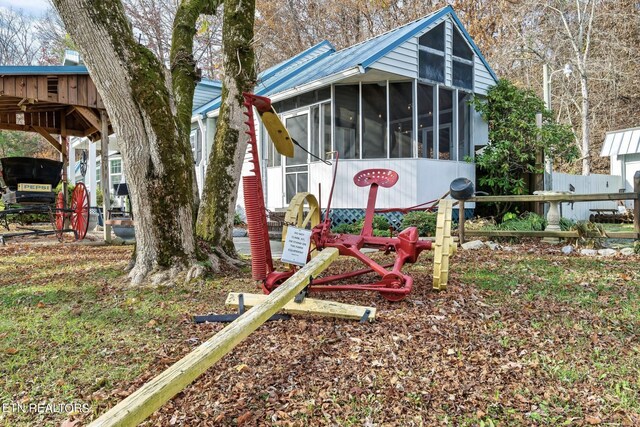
{"type": "Point", "coordinates": [375, 178]}
{"type": "Point", "coordinates": [382, 177]}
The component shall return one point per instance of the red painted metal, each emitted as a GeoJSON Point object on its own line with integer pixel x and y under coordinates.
{"type": "Point", "coordinates": [60, 211]}
{"type": "Point", "coordinates": [261, 260]}
{"type": "Point", "coordinates": [392, 284]}
{"type": "Point", "coordinates": [79, 217]}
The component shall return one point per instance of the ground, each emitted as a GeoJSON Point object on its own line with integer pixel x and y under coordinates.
{"type": "Point", "coordinates": [519, 338]}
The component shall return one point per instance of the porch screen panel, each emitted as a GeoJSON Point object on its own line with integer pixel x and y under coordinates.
{"type": "Point", "coordinates": [446, 149]}
{"type": "Point", "coordinates": [298, 130]}
{"type": "Point", "coordinates": [401, 119]}
{"type": "Point", "coordinates": [326, 129]}
{"type": "Point", "coordinates": [464, 135]}
{"type": "Point", "coordinates": [425, 122]}
{"type": "Point", "coordinates": [314, 136]}
{"type": "Point", "coordinates": [346, 121]}
{"type": "Point", "coordinates": [374, 121]}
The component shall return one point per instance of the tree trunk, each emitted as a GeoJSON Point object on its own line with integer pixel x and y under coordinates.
{"type": "Point", "coordinates": [217, 209]}
{"type": "Point", "coordinates": [152, 126]}
{"type": "Point", "coordinates": [586, 125]}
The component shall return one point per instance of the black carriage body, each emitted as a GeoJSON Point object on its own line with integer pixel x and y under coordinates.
{"type": "Point", "coordinates": [29, 170]}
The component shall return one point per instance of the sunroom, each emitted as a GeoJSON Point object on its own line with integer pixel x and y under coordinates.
{"type": "Point", "coordinates": [397, 101]}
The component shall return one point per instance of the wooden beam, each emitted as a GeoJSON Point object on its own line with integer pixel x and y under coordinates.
{"type": "Point", "coordinates": [442, 245]}
{"type": "Point", "coordinates": [309, 306]}
{"type": "Point", "coordinates": [89, 116]}
{"type": "Point", "coordinates": [46, 135]}
{"type": "Point", "coordinates": [556, 198]}
{"type": "Point", "coordinates": [636, 203]}
{"type": "Point", "coordinates": [29, 128]}
{"type": "Point", "coordinates": [151, 396]}
{"type": "Point", "coordinates": [104, 173]}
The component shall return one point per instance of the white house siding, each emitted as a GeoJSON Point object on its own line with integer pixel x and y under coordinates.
{"type": "Point", "coordinates": [419, 181]}
{"type": "Point", "coordinates": [403, 60]}
{"type": "Point", "coordinates": [448, 49]}
{"type": "Point", "coordinates": [631, 166]}
{"type": "Point", "coordinates": [482, 79]}
{"type": "Point", "coordinates": [589, 184]}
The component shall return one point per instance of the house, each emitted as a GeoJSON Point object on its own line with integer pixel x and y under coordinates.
{"type": "Point", "coordinates": [623, 149]}
{"type": "Point", "coordinates": [397, 101]}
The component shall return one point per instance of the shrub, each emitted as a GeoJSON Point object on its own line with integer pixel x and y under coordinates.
{"type": "Point", "coordinates": [237, 220]}
{"type": "Point", "coordinates": [425, 222]}
{"type": "Point", "coordinates": [528, 221]}
{"type": "Point", "coordinates": [380, 227]}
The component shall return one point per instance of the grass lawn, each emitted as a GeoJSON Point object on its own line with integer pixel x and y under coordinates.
{"type": "Point", "coordinates": [519, 338]}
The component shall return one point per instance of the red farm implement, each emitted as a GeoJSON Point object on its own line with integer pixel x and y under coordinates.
{"type": "Point", "coordinates": [304, 212]}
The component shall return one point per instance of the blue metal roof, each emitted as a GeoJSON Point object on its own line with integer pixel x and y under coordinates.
{"type": "Point", "coordinates": [322, 60]}
{"type": "Point", "coordinates": [44, 70]}
{"type": "Point", "coordinates": [205, 91]}
{"type": "Point", "coordinates": [279, 73]}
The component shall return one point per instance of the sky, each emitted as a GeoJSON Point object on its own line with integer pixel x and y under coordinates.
{"type": "Point", "coordinates": [30, 7]}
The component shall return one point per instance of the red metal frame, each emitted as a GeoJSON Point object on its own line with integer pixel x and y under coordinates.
{"type": "Point", "coordinates": [392, 285]}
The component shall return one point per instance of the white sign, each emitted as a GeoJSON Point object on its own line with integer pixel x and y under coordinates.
{"type": "Point", "coordinates": [296, 246]}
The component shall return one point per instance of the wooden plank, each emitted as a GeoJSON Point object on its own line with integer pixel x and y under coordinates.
{"type": "Point", "coordinates": [2, 85]}
{"type": "Point", "coordinates": [21, 87]}
{"type": "Point", "coordinates": [63, 90]}
{"type": "Point", "coordinates": [92, 94]}
{"type": "Point", "coordinates": [10, 86]}
{"type": "Point", "coordinates": [442, 245]}
{"type": "Point", "coordinates": [309, 306]}
{"type": "Point", "coordinates": [82, 90]}
{"type": "Point", "coordinates": [42, 88]}
{"type": "Point", "coordinates": [32, 87]}
{"type": "Point", "coordinates": [151, 396]}
{"type": "Point", "coordinates": [73, 89]}
{"type": "Point", "coordinates": [48, 137]}
{"type": "Point", "coordinates": [99, 103]}
{"type": "Point", "coordinates": [558, 198]}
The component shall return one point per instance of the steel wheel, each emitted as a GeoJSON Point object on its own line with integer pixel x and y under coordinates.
{"type": "Point", "coordinates": [80, 211]}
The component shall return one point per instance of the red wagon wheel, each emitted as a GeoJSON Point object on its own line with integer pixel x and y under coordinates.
{"type": "Point", "coordinates": [59, 214]}
{"type": "Point", "coordinates": [80, 211]}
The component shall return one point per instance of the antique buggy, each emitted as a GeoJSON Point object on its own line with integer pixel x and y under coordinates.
{"type": "Point", "coordinates": [27, 185]}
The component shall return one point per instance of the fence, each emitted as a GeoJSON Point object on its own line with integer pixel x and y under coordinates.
{"type": "Point", "coordinates": [589, 184]}
{"type": "Point", "coordinates": [557, 199]}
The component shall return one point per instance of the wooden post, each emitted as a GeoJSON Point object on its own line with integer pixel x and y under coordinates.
{"type": "Point", "coordinates": [636, 203]}
{"type": "Point", "coordinates": [461, 221]}
{"type": "Point", "coordinates": [104, 174]}
{"type": "Point", "coordinates": [151, 396]}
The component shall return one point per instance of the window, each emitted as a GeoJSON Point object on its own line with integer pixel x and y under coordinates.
{"type": "Point", "coordinates": [425, 121]}
{"type": "Point", "coordinates": [346, 114]}
{"type": "Point", "coordinates": [431, 55]}
{"type": "Point", "coordinates": [374, 121]}
{"type": "Point", "coordinates": [326, 129]}
{"type": "Point", "coordinates": [462, 61]}
{"type": "Point", "coordinates": [401, 119]}
{"type": "Point", "coordinates": [116, 166]}
{"type": "Point", "coordinates": [273, 157]}
{"type": "Point", "coordinates": [297, 170]}
{"type": "Point", "coordinates": [195, 139]}
{"type": "Point", "coordinates": [464, 125]}
{"type": "Point", "coordinates": [446, 149]}
{"type": "Point", "coordinates": [303, 100]}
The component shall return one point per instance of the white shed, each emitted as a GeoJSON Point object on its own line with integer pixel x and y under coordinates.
{"type": "Point", "coordinates": [623, 149]}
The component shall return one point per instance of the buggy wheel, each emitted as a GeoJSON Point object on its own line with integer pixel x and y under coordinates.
{"type": "Point", "coordinates": [80, 211]}
{"type": "Point", "coordinates": [59, 215]}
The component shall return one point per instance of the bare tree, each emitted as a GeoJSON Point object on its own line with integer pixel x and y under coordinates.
{"type": "Point", "coordinates": [18, 45]}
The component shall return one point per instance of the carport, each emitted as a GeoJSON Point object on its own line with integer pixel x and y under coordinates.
{"type": "Point", "coordinates": [57, 102]}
